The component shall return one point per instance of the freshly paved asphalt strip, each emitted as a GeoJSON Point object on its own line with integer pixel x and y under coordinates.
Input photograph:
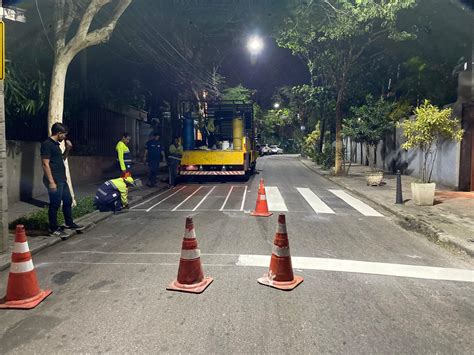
{"type": "Point", "coordinates": [166, 198]}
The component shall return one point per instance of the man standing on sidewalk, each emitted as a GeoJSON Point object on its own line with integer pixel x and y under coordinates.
{"type": "Point", "coordinates": [55, 179]}
{"type": "Point", "coordinates": [153, 155]}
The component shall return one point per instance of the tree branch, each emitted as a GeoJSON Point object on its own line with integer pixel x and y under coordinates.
{"type": "Point", "coordinates": [83, 38]}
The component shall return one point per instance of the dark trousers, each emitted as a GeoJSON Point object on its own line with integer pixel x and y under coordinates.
{"type": "Point", "coordinates": [173, 170]}
{"type": "Point", "coordinates": [114, 206]}
{"type": "Point", "coordinates": [62, 194]}
{"type": "Point", "coordinates": [154, 167]}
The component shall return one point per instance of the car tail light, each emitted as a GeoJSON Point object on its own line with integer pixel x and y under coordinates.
{"type": "Point", "coordinates": [191, 168]}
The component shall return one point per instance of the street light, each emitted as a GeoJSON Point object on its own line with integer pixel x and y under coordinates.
{"type": "Point", "coordinates": [255, 45]}
{"type": "Point", "coordinates": [276, 105]}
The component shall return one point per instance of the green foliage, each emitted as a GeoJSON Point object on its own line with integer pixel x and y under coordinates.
{"type": "Point", "coordinates": [309, 144]}
{"type": "Point", "coordinates": [422, 79]}
{"type": "Point", "coordinates": [429, 128]}
{"type": "Point", "coordinates": [238, 93]}
{"type": "Point", "coordinates": [371, 122]}
{"type": "Point", "coordinates": [335, 39]}
{"type": "Point", "coordinates": [25, 94]}
{"type": "Point", "coordinates": [279, 127]}
{"type": "Point", "coordinates": [327, 157]}
{"type": "Point", "coordinates": [39, 220]}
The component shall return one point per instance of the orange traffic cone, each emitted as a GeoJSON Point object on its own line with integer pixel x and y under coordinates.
{"type": "Point", "coordinates": [280, 274]}
{"type": "Point", "coordinates": [190, 274]}
{"type": "Point", "coordinates": [23, 291]}
{"type": "Point", "coordinates": [261, 208]}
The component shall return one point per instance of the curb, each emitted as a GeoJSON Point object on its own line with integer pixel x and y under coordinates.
{"type": "Point", "coordinates": [95, 218]}
{"type": "Point", "coordinates": [407, 221]}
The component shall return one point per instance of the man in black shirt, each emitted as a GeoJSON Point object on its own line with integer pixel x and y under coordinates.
{"type": "Point", "coordinates": [55, 179]}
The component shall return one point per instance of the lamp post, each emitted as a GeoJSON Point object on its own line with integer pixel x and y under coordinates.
{"type": "Point", "coordinates": [17, 15]}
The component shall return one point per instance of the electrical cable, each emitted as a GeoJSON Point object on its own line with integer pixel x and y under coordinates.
{"type": "Point", "coordinates": [44, 27]}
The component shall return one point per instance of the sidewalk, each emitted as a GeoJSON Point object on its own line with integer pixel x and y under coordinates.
{"type": "Point", "coordinates": [38, 243]}
{"type": "Point", "coordinates": [450, 221]}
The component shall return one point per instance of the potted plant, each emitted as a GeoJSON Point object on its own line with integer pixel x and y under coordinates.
{"type": "Point", "coordinates": [426, 132]}
{"type": "Point", "coordinates": [370, 123]}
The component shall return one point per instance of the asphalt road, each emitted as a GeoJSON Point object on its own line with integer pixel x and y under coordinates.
{"type": "Point", "coordinates": [109, 284]}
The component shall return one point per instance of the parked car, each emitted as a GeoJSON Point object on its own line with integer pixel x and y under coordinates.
{"type": "Point", "coordinates": [274, 149]}
{"type": "Point", "coordinates": [265, 149]}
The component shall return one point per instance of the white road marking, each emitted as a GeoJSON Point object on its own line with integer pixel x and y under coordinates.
{"type": "Point", "coordinates": [200, 202]}
{"type": "Point", "coordinates": [274, 199]}
{"type": "Point", "coordinates": [314, 201]}
{"type": "Point", "coordinates": [243, 198]}
{"type": "Point", "coordinates": [187, 198]}
{"type": "Point", "coordinates": [304, 263]}
{"type": "Point", "coordinates": [364, 267]}
{"type": "Point", "coordinates": [156, 204]}
{"type": "Point", "coordinates": [133, 253]}
{"type": "Point", "coordinates": [357, 204]}
{"type": "Point", "coordinates": [150, 199]}
{"type": "Point", "coordinates": [227, 198]}
{"type": "Point", "coordinates": [115, 263]}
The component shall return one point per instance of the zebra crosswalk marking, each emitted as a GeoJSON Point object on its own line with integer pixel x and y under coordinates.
{"type": "Point", "coordinates": [274, 199]}
{"type": "Point", "coordinates": [357, 204]}
{"type": "Point", "coordinates": [314, 201]}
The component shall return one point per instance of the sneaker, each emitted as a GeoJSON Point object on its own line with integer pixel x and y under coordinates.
{"type": "Point", "coordinates": [60, 234]}
{"type": "Point", "coordinates": [74, 226]}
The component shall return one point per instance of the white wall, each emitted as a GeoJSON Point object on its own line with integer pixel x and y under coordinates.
{"type": "Point", "coordinates": [391, 157]}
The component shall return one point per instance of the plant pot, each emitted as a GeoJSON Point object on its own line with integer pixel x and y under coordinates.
{"type": "Point", "coordinates": [423, 193]}
{"type": "Point", "coordinates": [374, 178]}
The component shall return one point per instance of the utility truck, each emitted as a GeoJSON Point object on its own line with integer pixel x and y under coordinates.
{"type": "Point", "coordinates": [218, 138]}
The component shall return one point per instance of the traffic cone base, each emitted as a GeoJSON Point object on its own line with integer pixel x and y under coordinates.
{"type": "Point", "coordinates": [281, 285]}
{"type": "Point", "coordinates": [25, 304]}
{"type": "Point", "coordinates": [261, 214]}
{"type": "Point", "coordinates": [195, 288]}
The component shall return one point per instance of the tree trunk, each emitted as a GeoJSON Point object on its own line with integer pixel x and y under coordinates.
{"type": "Point", "coordinates": [56, 95]}
{"type": "Point", "coordinates": [338, 158]}
{"type": "Point", "coordinates": [56, 106]}
{"type": "Point", "coordinates": [3, 176]}
{"type": "Point", "coordinates": [322, 132]}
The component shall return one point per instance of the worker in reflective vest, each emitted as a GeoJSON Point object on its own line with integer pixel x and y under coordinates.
{"type": "Point", "coordinates": [112, 195]}
{"type": "Point", "coordinates": [174, 160]}
{"type": "Point", "coordinates": [124, 157]}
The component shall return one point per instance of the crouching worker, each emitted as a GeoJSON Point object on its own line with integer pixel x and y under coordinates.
{"type": "Point", "coordinates": [112, 195]}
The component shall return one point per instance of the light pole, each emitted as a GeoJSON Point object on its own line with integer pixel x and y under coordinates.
{"type": "Point", "coordinates": [12, 14]}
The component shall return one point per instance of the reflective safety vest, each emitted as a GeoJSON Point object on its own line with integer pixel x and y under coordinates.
{"type": "Point", "coordinates": [124, 157]}
{"type": "Point", "coordinates": [176, 153]}
{"type": "Point", "coordinates": [110, 191]}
